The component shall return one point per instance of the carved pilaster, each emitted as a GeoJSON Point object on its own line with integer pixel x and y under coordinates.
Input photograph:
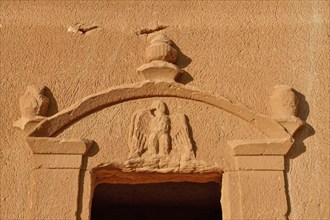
{"type": "Point", "coordinates": [56, 177]}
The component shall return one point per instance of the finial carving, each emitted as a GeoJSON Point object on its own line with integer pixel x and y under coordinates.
{"type": "Point", "coordinates": [33, 106]}
{"type": "Point", "coordinates": [161, 56]}
{"type": "Point", "coordinates": [284, 108]}
{"type": "Point", "coordinates": [160, 140]}
{"type": "Point", "coordinates": [283, 103]}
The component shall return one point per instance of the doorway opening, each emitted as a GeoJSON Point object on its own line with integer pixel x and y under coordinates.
{"type": "Point", "coordinates": [167, 200]}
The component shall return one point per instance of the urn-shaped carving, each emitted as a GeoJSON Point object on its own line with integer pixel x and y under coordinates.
{"type": "Point", "coordinates": [161, 51]}
{"type": "Point", "coordinates": [34, 102]}
{"type": "Point", "coordinates": [161, 57]}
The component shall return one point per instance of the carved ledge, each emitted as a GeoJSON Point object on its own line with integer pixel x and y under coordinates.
{"type": "Point", "coordinates": [261, 147]}
{"type": "Point", "coordinates": [46, 145]}
{"type": "Point", "coordinates": [159, 70]}
{"type": "Point", "coordinates": [161, 57]}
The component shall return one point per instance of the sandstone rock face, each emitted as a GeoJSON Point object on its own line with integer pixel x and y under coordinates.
{"type": "Point", "coordinates": [152, 92]}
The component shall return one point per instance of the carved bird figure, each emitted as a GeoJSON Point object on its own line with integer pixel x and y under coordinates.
{"type": "Point", "coordinates": [156, 133]}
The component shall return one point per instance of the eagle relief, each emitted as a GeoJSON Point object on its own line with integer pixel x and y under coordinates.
{"type": "Point", "coordinates": [160, 141]}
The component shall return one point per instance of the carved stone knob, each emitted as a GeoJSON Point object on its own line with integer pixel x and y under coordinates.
{"type": "Point", "coordinates": [283, 103]}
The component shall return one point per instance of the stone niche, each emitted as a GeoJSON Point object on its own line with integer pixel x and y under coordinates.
{"type": "Point", "coordinates": [159, 149]}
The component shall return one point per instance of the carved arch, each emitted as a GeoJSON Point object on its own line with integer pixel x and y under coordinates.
{"type": "Point", "coordinates": [93, 103]}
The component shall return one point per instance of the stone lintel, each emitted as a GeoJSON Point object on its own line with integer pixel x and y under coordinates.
{"type": "Point", "coordinates": [45, 145]}
{"type": "Point", "coordinates": [261, 147]}
{"type": "Point", "coordinates": [259, 162]}
{"type": "Point", "coordinates": [115, 176]}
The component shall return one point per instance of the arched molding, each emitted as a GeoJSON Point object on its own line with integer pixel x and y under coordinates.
{"type": "Point", "coordinates": [52, 125]}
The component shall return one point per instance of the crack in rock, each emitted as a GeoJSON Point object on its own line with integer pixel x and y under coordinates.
{"type": "Point", "coordinates": [154, 28]}
{"type": "Point", "coordinates": [79, 28]}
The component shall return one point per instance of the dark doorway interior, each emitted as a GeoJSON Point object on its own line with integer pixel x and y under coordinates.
{"type": "Point", "coordinates": [157, 201]}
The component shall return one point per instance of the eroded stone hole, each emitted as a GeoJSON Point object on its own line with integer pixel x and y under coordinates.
{"type": "Point", "coordinates": [168, 200]}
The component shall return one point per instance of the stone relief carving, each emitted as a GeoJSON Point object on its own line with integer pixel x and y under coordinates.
{"type": "Point", "coordinates": [33, 106]}
{"type": "Point", "coordinates": [160, 140]}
